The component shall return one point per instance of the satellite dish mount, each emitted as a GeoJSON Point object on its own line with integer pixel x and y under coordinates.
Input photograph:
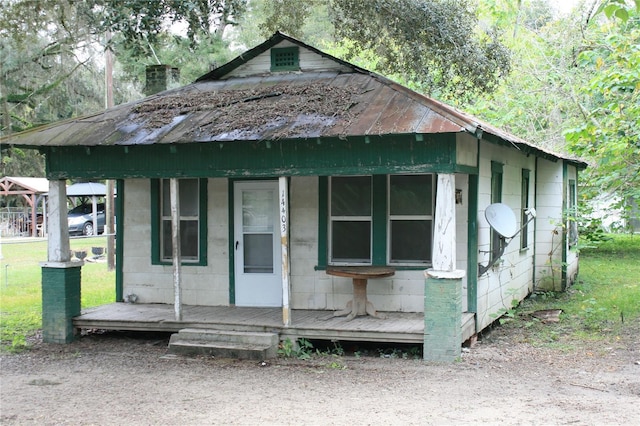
{"type": "Point", "coordinates": [503, 221]}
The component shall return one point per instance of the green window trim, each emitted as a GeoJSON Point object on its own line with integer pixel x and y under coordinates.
{"type": "Point", "coordinates": [524, 197]}
{"type": "Point", "coordinates": [156, 258]}
{"type": "Point", "coordinates": [285, 58]}
{"type": "Point", "coordinates": [496, 197]}
{"type": "Point", "coordinates": [572, 213]}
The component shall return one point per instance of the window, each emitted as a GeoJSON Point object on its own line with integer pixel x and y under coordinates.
{"type": "Point", "coordinates": [410, 218]}
{"type": "Point", "coordinates": [496, 197]}
{"type": "Point", "coordinates": [396, 229]}
{"type": "Point", "coordinates": [524, 204]}
{"type": "Point", "coordinates": [572, 216]}
{"type": "Point", "coordinates": [285, 59]}
{"type": "Point", "coordinates": [193, 227]}
{"type": "Point", "coordinates": [351, 219]}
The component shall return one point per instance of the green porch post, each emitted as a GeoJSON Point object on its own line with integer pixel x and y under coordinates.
{"type": "Point", "coordinates": [60, 276]}
{"type": "Point", "coordinates": [443, 283]}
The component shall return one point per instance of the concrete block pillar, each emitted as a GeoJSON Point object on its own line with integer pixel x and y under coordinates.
{"type": "Point", "coordinates": [60, 300]}
{"type": "Point", "coordinates": [443, 283]}
{"type": "Point", "coordinates": [442, 316]}
{"type": "Point", "coordinates": [60, 276]}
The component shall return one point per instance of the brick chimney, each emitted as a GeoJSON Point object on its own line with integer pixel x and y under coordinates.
{"type": "Point", "coordinates": [161, 78]}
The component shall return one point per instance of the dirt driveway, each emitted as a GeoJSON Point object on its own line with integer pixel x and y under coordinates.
{"type": "Point", "coordinates": [116, 379]}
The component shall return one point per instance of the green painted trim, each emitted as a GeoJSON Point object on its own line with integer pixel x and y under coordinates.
{"type": "Point", "coordinates": [534, 222]}
{"type": "Point", "coordinates": [497, 167]}
{"type": "Point", "coordinates": [156, 259]}
{"type": "Point", "coordinates": [323, 225]}
{"type": "Point", "coordinates": [203, 222]}
{"type": "Point", "coordinates": [387, 154]}
{"type": "Point", "coordinates": [232, 251]}
{"type": "Point", "coordinates": [379, 219]}
{"type": "Point", "coordinates": [154, 208]}
{"type": "Point", "coordinates": [119, 207]}
{"type": "Point", "coordinates": [565, 234]}
{"type": "Point", "coordinates": [472, 245]}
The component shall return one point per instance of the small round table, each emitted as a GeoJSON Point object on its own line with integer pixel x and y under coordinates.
{"type": "Point", "coordinates": [360, 276]}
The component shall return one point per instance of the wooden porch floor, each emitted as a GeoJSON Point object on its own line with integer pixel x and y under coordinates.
{"type": "Point", "coordinates": [398, 327]}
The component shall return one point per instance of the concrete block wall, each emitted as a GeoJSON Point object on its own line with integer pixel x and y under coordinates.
{"type": "Point", "coordinates": [60, 302]}
{"type": "Point", "coordinates": [549, 238]}
{"type": "Point", "coordinates": [201, 285]}
{"type": "Point", "coordinates": [311, 289]}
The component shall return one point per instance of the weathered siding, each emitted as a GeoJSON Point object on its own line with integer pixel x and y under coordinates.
{"type": "Point", "coordinates": [308, 60]}
{"type": "Point", "coordinates": [511, 277]}
{"type": "Point", "coordinates": [550, 193]}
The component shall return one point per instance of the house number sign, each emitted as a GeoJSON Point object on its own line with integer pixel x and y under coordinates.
{"type": "Point", "coordinates": [283, 213]}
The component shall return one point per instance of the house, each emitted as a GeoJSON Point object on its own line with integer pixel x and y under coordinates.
{"type": "Point", "coordinates": [300, 183]}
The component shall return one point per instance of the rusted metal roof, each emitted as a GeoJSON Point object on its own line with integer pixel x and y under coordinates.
{"type": "Point", "coordinates": [299, 105]}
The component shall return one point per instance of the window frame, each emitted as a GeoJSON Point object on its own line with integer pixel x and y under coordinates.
{"type": "Point", "coordinates": [524, 204]}
{"type": "Point", "coordinates": [572, 213]}
{"type": "Point", "coordinates": [360, 218]}
{"type": "Point", "coordinates": [157, 221]}
{"type": "Point", "coordinates": [380, 223]}
{"type": "Point", "coordinates": [496, 240]}
{"type": "Point", "coordinates": [294, 51]}
{"type": "Point", "coordinates": [423, 217]}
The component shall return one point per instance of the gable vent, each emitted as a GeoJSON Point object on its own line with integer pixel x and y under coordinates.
{"type": "Point", "coordinates": [285, 59]}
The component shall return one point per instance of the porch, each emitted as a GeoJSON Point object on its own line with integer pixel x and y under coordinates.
{"type": "Point", "coordinates": [398, 327]}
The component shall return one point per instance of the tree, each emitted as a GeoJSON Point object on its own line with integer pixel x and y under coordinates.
{"type": "Point", "coordinates": [435, 46]}
{"type": "Point", "coordinates": [541, 94]}
{"type": "Point", "coordinates": [609, 134]}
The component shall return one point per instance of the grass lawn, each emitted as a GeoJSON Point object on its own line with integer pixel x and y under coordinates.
{"type": "Point", "coordinates": [21, 292]}
{"type": "Point", "coordinates": [604, 301]}
{"type": "Point", "coordinates": [602, 304]}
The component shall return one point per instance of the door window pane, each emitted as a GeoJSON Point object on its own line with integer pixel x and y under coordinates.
{"type": "Point", "coordinates": [257, 211]}
{"type": "Point", "coordinates": [258, 253]}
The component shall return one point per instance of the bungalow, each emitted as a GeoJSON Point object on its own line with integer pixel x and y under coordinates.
{"type": "Point", "coordinates": [290, 180]}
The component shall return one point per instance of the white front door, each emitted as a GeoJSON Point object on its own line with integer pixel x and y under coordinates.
{"type": "Point", "coordinates": [258, 265]}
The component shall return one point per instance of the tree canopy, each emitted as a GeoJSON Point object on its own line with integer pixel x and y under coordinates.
{"type": "Point", "coordinates": [565, 82]}
{"type": "Point", "coordinates": [609, 133]}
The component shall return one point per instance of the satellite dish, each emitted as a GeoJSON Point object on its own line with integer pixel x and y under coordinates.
{"type": "Point", "coordinates": [502, 219]}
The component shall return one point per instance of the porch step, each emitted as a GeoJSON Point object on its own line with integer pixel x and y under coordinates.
{"type": "Point", "coordinates": [224, 344]}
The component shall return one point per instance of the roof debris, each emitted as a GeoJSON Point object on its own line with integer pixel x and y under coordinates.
{"type": "Point", "coordinates": [270, 107]}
